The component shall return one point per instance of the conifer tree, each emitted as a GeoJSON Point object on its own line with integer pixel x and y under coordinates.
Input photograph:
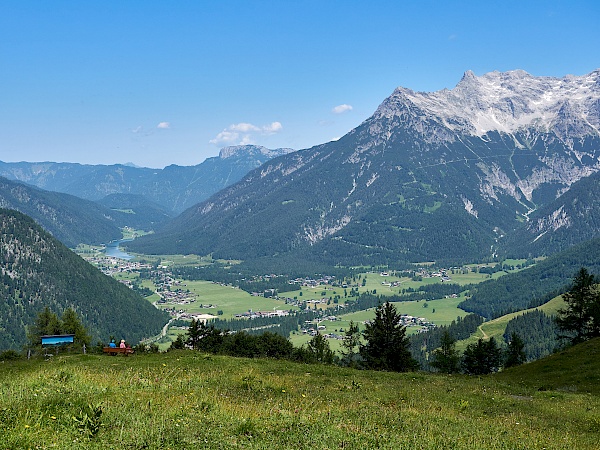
{"type": "Point", "coordinates": [482, 358]}
{"type": "Point", "coordinates": [72, 325]}
{"type": "Point", "coordinates": [351, 342]}
{"type": "Point", "coordinates": [46, 323]}
{"type": "Point", "coordinates": [387, 346]}
{"type": "Point", "coordinates": [319, 350]}
{"type": "Point", "coordinates": [580, 319]}
{"type": "Point", "coordinates": [194, 334]}
{"type": "Point", "coordinates": [515, 352]}
{"type": "Point", "coordinates": [446, 358]}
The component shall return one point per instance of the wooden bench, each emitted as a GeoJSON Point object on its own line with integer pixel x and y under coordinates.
{"type": "Point", "coordinates": [118, 350]}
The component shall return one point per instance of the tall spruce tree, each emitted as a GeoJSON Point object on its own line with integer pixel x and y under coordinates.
{"type": "Point", "coordinates": [350, 345]}
{"type": "Point", "coordinates": [446, 358]}
{"type": "Point", "coordinates": [387, 346]}
{"type": "Point", "coordinates": [515, 352]}
{"type": "Point", "coordinates": [580, 319]}
{"type": "Point", "coordinates": [482, 358]}
{"type": "Point", "coordinates": [72, 325]}
{"type": "Point", "coordinates": [319, 351]}
{"type": "Point", "coordinates": [46, 323]}
{"type": "Point", "coordinates": [194, 334]}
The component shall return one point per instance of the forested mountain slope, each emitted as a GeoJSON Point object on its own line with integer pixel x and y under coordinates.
{"type": "Point", "coordinates": [70, 219]}
{"type": "Point", "coordinates": [535, 285]}
{"type": "Point", "coordinates": [38, 271]}
{"type": "Point", "coordinates": [570, 219]}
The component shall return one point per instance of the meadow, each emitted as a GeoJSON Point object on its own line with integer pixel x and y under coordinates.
{"type": "Point", "coordinates": [440, 312]}
{"type": "Point", "coordinates": [495, 328]}
{"type": "Point", "coordinates": [186, 399]}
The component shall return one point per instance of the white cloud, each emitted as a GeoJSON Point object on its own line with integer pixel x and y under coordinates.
{"type": "Point", "coordinates": [163, 125]}
{"type": "Point", "coordinates": [274, 127]}
{"type": "Point", "coordinates": [341, 109]}
{"type": "Point", "coordinates": [243, 127]}
{"type": "Point", "coordinates": [225, 137]}
{"type": "Point", "coordinates": [137, 129]}
{"type": "Point", "coordinates": [246, 140]}
{"type": "Point", "coordinates": [243, 133]}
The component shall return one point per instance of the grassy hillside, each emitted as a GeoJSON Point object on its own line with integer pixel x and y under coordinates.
{"type": "Point", "coordinates": [495, 328]}
{"type": "Point", "coordinates": [576, 369]}
{"type": "Point", "coordinates": [189, 400]}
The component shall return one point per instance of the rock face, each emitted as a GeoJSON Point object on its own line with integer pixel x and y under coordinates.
{"type": "Point", "coordinates": [240, 151]}
{"type": "Point", "coordinates": [441, 175]}
{"type": "Point", "coordinates": [507, 102]}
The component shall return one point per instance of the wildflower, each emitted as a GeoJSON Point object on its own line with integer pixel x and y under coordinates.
{"type": "Point", "coordinates": [26, 426]}
{"type": "Point", "coordinates": [53, 417]}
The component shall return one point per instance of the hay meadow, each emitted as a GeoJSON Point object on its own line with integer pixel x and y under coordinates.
{"type": "Point", "coordinates": [186, 399]}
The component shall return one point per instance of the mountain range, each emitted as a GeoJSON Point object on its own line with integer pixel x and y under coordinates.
{"type": "Point", "coordinates": [173, 188]}
{"type": "Point", "coordinates": [447, 176]}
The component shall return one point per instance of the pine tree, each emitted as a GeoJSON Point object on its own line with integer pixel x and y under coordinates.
{"type": "Point", "coordinates": [194, 334]}
{"type": "Point", "coordinates": [446, 358]}
{"type": "Point", "coordinates": [580, 320]}
{"type": "Point", "coordinates": [178, 344]}
{"type": "Point", "coordinates": [319, 350]}
{"type": "Point", "coordinates": [515, 352]}
{"type": "Point", "coordinates": [350, 343]}
{"type": "Point", "coordinates": [482, 358]}
{"type": "Point", "coordinates": [72, 325]}
{"type": "Point", "coordinates": [387, 346]}
{"type": "Point", "coordinates": [46, 323]}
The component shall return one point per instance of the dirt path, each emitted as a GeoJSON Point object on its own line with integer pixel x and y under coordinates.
{"type": "Point", "coordinates": [485, 336]}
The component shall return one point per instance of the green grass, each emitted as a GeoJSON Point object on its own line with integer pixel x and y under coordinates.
{"type": "Point", "coordinates": [186, 399]}
{"type": "Point", "coordinates": [576, 369]}
{"type": "Point", "coordinates": [495, 328]}
{"type": "Point", "coordinates": [228, 299]}
{"type": "Point", "coordinates": [446, 310]}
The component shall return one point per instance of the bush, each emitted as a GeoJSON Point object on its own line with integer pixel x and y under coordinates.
{"type": "Point", "coordinates": [9, 355]}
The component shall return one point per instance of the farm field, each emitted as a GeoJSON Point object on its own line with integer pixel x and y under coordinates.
{"type": "Point", "coordinates": [187, 399]}
{"type": "Point", "coordinates": [228, 299]}
{"type": "Point", "coordinates": [374, 282]}
{"type": "Point", "coordinates": [446, 310]}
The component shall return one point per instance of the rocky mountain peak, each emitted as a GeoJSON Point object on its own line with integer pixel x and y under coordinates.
{"type": "Point", "coordinates": [505, 102]}
{"type": "Point", "coordinates": [250, 150]}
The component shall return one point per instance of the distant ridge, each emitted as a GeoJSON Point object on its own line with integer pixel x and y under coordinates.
{"type": "Point", "coordinates": [70, 219]}
{"type": "Point", "coordinates": [173, 188]}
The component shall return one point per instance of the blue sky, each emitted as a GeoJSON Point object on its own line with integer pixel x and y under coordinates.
{"type": "Point", "coordinates": [157, 83]}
